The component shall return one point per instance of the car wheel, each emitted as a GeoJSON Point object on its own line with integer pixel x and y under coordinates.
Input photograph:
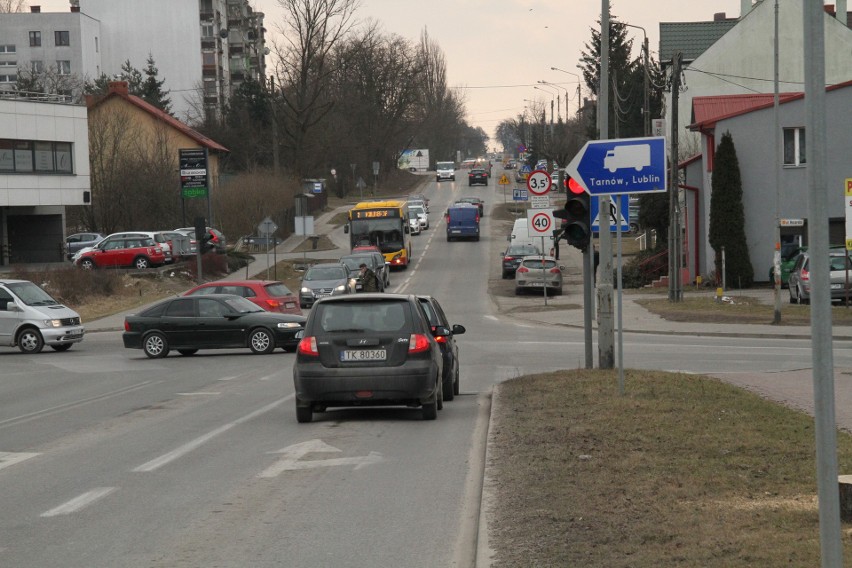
{"type": "Point", "coordinates": [141, 263]}
{"type": "Point", "coordinates": [792, 299]}
{"type": "Point", "coordinates": [439, 398]}
{"type": "Point", "coordinates": [456, 383]}
{"type": "Point", "coordinates": [517, 291]}
{"type": "Point", "coordinates": [61, 347]}
{"type": "Point", "coordinates": [261, 341]}
{"type": "Point", "coordinates": [87, 264]}
{"type": "Point", "coordinates": [304, 414]}
{"type": "Point", "coordinates": [30, 341]}
{"type": "Point", "coordinates": [187, 352]}
{"type": "Point", "coordinates": [430, 409]}
{"type": "Point", "coordinates": [155, 345]}
{"type": "Point", "coordinates": [447, 389]}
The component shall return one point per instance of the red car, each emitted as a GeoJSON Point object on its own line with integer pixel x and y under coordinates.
{"type": "Point", "coordinates": [123, 252]}
{"type": "Point", "coordinates": [271, 295]}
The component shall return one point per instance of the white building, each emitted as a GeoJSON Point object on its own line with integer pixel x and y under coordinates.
{"type": "Point", "coordinates": [44, 167]}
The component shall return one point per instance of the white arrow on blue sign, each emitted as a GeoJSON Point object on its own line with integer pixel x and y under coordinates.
{"type": "Point", "coordinates": [625, 165]}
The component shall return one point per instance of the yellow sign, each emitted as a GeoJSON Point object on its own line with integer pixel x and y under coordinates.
{"type": "Point", "coordinates": [848, 200]}
{"type": "Point", "coordinates": [503, 180]}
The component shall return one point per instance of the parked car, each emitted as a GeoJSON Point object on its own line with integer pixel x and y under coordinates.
{"type": "Point", "coordinates": [217, 238]}
{"type": "Point", "coordinates": [30, 318]}
{"type": "Point", "coordinates": [368, 350]}
{"type": "Point", "coordinates": [479, 203]}
{"type": "Point", "coordinates": [420, 214]}
{"type": "Point", "coordinates": [122, 252]}
{"type": "Point", "coordinates": [513, 255]}
{"type": "Point", "coordinates": [271, 295]}
{"type": "Point", "coordinates": [447, 343]}
{"type": "Point", "coordinates": [77, 241]}
{"type": "Point", "coordinates": [322, 280]}
{"type": "Point", "coordinates": [215, 321]}
{"type": "Point", "coordinates": [536, 272]}
{"type": "Point", "coordinates": [375, 261]}
{"type": "Point", "coordinates": [800, 276]}
{"type": "Point", "coordinates": [158, 237]}
{"type": "Point", "coordinates": [477, 176]}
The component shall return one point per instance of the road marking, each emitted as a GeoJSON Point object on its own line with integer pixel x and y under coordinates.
{"type": "Point", "coordinates": [492, 318]}
{"type": "Point", "coordinates": [169, 457]}
{"type": "Point", "coordinates": [11, 458]}
{"type": "Point", "coordinates": [78, 503]}
{"type": "Point", "coordinates": [292, 454]}
{"type": "Point", "coordinates": [196, 393]}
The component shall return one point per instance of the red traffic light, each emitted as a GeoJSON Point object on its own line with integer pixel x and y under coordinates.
{"type": "Point", "coordinates": [575, 187]}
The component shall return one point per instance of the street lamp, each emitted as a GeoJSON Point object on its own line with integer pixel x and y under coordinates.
{"type": "Point", "coordinates": [579, 88]}
{"type": "Point", "coordinates": [552, 97]}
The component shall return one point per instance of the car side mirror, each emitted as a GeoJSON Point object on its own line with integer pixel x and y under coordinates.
{"type": "Point", "coordinates": [458, 329]}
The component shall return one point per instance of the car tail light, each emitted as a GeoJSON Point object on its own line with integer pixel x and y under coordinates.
{"type": "Point", "coordinates": [447, 219]}
{"type": "Point", "coordinates": [126, 326]}
{"type": "Point", "coordinates": [273, 304]}
{"type": "Point", "coordinates": [804, 275]}
{"type": "Point", "coordinates": [213, 237]}
{"type": "Point", "coordinates": [555, 271]}
{"type": "Point", "coordinates": [523, 269]}
{"type": "Point", "coordinates": [477, 218]}
{"type": "Point", "coordinates": [417, 343]}
{"type": "Point", "coordinates": [308, 346]}
{"type": "Point", "coordinates": [508, 259]}
{"type": "Point", "coordinates": [441, 339]}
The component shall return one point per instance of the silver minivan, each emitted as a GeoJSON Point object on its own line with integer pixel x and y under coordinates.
{"type": "Point", "coordinates": [30, 319]}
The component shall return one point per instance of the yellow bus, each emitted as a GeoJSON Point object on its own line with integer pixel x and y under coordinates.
{"type": "Point", "coordinates": [383, 224]}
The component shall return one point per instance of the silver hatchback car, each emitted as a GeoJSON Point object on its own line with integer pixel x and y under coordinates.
{"type": "Point", "coordinates": [800, 276]}
{"type": "Point", "coordinates": [537, 272]}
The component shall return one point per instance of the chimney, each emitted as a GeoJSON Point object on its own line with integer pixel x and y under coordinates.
{"type": "Point", "coordinates": [829, 9]}
{"type": "Point", "coordinates": [118, 87]}
{"type": "Point", "coordinates": [841, 11]}
{"type": "Point", "coordinates": [35, 9]}
{"type": "Point", "coordinates": [75, 9]}
{"type": "Point", "coordinates": [719, 17]}
{"type": "Point", "coordinates": [745, 8]}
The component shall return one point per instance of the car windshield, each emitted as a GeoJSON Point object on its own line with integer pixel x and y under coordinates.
{"type": "Point", "coordinates": [31, 295]}
{"type": "Point", "coordinates": [359, 317]}
{"type": "Point", "coordinates": [523, 250]}
{"type": "Point", "coordinates": [417, 210]}
{"type": "Point", "coordinates": [446, 165]}
{"type": "Point", "coordinates": [241, 305]}
{"type": "Point", "coordinates": [330, 272]}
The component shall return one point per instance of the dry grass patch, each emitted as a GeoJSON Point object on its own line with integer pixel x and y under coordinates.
{"type": "Point", "coordinates": [741, 309]}
{"type": "Point", "coordinates": [682, 470]}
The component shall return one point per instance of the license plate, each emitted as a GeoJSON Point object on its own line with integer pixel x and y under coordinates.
{"type": "Point", "coordinates": [363, 355]}
{"type": "Point", "coordinates": [836, 286]}
{"type": "Point", "coordinates": [455, 231]}
{"type": "Point", "coordinates": [536, 284]}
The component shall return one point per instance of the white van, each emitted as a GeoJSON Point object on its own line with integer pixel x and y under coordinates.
{"type": "Point", "coordinates": [520, 235]}
{"type": "Point", "coordinates": [30, 319]}
{"type": "Point", "coordinates": [445, 170]}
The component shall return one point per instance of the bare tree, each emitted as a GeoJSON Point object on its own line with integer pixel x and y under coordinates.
{"type": "Point", "coordinates": [12, 6]}
{"type": "Point", "coordinates": [311, 30]}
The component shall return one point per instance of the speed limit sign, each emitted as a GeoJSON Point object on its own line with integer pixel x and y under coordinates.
{"type": "Point", "coordinates": [539, 182]}
{"type": "Point", "coordinates": [539, 223]}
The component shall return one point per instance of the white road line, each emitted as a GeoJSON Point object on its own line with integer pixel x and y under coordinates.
{"type": "Point", "coordinates": [169, 457]}
{"type": "Point", "coordinates": [196, 393]}
{"type": "Point", "coordinates": [11, 458]}
{"type": "Point", "coordinates": [78, 503]}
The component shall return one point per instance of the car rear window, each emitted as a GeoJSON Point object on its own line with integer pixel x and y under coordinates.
{"type": "Point", "coordinates": [379, 316]}
{"type": "Point", "coordinates": [278, 289]}
{"type": "Point", "coordinates": [537, 263]}
{"type": "Point", "coordinates": [523, 250]}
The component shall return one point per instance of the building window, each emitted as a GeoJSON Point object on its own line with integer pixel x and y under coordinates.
{"type": "Point", "coordinates": [8, 78]}
{"type": "Point", "coordinates": [210, 88]}
{"type": "Point", "coordinates": [208, 58]}
{"type": "Point", "coordinates": [206, 31]}
{"type": "Point", "coordinates": [8, 63]}
{"type": "Point", "coordinates": [794, 146]}
{"type": "Point", "coordinates": [62, 38]}
{"type": "Point", "coordinates": [63, 67]}
{"type": "Point", "coordinates": [7, 49]}
{"type": "Point", "coordinates": [35, 39]}
{"type": "Point", "coordinates": [27, 156]}
{"type": "Point", "coordinates": [37, 66]}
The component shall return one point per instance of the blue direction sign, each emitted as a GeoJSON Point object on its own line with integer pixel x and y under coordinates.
{"type": "Point", "coordinates": [520, 195]}
{"type": "Point", "coordinates": [626, 165]}
{"type": "Point", "coordinates": [594, 212]}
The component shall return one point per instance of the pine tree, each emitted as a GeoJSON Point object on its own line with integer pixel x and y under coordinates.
{"type": "Point", "coordinates": [133, 77]}
{"type": "Point", "coordinates": [151, 89]}
{"type": "Point", "coordinates": [727, 217]}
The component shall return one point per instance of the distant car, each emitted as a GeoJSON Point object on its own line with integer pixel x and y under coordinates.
{"type": "Point", "coordinates": [216, 321]}
{"type": "Point", "coordinates": [474, 201]}
{"type": "Point", "coordinates": [510, 165]}
{"type": "Point", "coordinates": [271, 295]}
{"type": "Point", "coordinates": [122, 252]}
{"type": "Point", "coordinates": [217, 238]}
{"type": "Point", "coordinates": [369, 350]}
{"type": "Point", "coordinates": [447, 343]}
{"type": "Point", "coordinates": [77, 241]}
{"type": "Point", "coordinates": [418, 203]}
{"type": "Point", "coordinates": [421, 215]}
{"type": "Point", "coordinates": [445, 170]}
{"type": "Point", "coordinates": [414, 226]}
{"type": "Point", "coordinates": [30, 318]}
{"type": "Point", "coordinates": [513, 255]}
{"type": "Point", "coordinates": [477, 176]}
{"type": "Point", "coordinates": [420, 197]}
{"type": "Point", "coordinates": [159, 238]}
{"type": "Point", "coordinates": [800, 276]}
{"type": "Point", "coordinates": [323, 280]}
{"type": "Point", "coordinates": [789, 253]}
{"type": "Point", "coordinates": [537, 272]}
{"type": "Point", "coordinates": [377, 265]}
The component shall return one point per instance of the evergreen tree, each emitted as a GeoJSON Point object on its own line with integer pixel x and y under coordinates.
{"type": "Point", "coordinates": [133, 77]}
{"type": "Point", "coordinates": [727, 218]}
{"type": "Point", "coordinates": [151, 89]}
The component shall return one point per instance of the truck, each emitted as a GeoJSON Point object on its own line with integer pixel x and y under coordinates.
{"type": "Point", "coordinates": [636, 156]}
{"type": "Point", "coordinates": [414, 160]}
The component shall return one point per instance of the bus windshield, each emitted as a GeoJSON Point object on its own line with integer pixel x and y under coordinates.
{"type": "Point", "coordinates": [383, 233]}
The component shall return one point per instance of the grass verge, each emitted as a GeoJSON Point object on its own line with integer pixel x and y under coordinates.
{"type": "Point", "coordinates": [681, 470]}
{"type": "Point", "coordinates": [740, 309]}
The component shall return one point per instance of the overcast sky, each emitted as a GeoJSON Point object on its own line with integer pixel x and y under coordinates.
{"type": "Point", "coordinates": [496, 50]}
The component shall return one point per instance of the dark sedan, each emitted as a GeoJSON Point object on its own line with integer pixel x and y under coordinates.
{"type": "Point", "coordinates": [513, 255]}
{"type": "Point", "coordinates": [214, 321]}
{"type": "Point", "coordinates": [477, 176]}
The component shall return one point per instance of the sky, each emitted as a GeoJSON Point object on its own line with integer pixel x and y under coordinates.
{"type": "Point", "coordinates": [497, 50]}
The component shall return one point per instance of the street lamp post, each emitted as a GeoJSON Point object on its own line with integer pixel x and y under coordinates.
{"type": "Point", "coordinates": [579, 88]}
{"type": "Point", "coordinates": [552, 97]}
{"type": "Point", "coordinates": [646, 111]}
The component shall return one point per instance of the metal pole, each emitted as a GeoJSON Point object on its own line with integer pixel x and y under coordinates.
{"type": "Point", "coordinates": [606, 352]}
{"type": "Point", "coordinates": [776, 256]}
{"type": "Point", "coordinates": [620, 201]}
{"type": "Point", "coordinates": [821, 347]}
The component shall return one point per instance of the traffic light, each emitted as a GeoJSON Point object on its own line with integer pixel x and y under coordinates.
{"type": "Point", "coordinates": [202, 236]}
{"type": "Point", "coordinates": [576, 224]}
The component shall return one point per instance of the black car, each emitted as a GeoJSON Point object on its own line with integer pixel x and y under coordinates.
{"type": "Point", "coordinates": [213, 321]}
{"type": "Point", "coordinates": [369, 350]}
{"type": "Point", "coordinates": [513, 255]}
{"type": "Point", "coordinates": [449, 348]}
{"type": "Point", "coordinates": [476, 176]}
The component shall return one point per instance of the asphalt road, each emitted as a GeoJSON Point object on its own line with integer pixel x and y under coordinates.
{"type": "Point", "coordinates": [110, 459]}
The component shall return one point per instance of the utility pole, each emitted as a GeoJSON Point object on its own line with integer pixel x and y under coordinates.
{"type": "Point", "coordinates": [276, 163]}
{"type": "Point", "coordinates": [606, 320]}
{"type": "Point", "coordinates": [675, 274]}
{"type": "Point", "coordinates": [776, 257]}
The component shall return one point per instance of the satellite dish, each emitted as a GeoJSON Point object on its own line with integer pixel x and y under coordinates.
{"type": "Point", "coordinates": [266, 51]}
{"type": "Point", "coordinates": [223, 33]}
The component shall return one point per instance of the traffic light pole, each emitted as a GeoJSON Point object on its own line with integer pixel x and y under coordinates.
{"type": "Point", "coordinates": [606, 347]}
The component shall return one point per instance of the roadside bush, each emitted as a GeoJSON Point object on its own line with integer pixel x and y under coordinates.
{"type": "Point", "coordinates": [633, 274]}
{"type": "Point", "coordinates": [73, 285]}
{"type": "Point", "coordinates": [213, 265]}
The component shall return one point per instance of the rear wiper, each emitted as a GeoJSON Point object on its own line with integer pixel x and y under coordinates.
{"type": "Point", "coordinates": [353, 330]}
